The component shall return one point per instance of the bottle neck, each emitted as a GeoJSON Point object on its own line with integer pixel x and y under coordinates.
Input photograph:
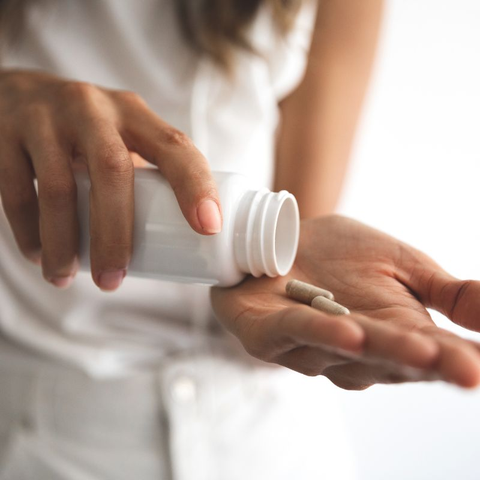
{"type": "Point", "coordinates": [267, 230]}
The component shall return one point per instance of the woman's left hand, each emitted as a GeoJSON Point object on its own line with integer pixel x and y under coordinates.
{"type": "Point", "coordinates": [389, 337]}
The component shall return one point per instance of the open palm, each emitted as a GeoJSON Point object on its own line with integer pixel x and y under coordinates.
{"type": "Point", "coordinates": [387, 285]}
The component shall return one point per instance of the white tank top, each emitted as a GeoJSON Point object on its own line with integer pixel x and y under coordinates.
{"type": "Point", "coordinates": [136, 45]}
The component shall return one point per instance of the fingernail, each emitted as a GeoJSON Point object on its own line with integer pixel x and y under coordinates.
{"type": "Point", "coordinates": [109, 281]}
{"type": "Point", "coordinates": [209, 216]}
{"type": "Point", "coordinates": [61, 282]}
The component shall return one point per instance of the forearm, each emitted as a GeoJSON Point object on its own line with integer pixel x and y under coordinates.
{"type": "Point", "coordinates": [319, 118]}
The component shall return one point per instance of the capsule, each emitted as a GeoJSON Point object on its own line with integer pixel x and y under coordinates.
{"type": "Point", "coordinates": [305, 293]}
{"type": "Point", "coordinates": [329, 306]}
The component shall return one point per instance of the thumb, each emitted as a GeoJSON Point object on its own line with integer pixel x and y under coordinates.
{"type": "Point", "coordinates": [459, 300]}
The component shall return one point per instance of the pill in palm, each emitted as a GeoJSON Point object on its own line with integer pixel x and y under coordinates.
{"type": "Point", "coordinates": [329, 306]}
{"type": "Point", "coordinates": [305, 293]}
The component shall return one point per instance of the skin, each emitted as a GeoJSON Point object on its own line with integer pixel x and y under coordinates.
{"type": "Point", "coordinates": [319, 118]}
{"type": "Point", "coordinates": [389, 337]}
{"type": "Point", "coordinates": [48, 127]}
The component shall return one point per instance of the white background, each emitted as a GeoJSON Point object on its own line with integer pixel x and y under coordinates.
{"type": "Point", "coordinates": [415, 175]}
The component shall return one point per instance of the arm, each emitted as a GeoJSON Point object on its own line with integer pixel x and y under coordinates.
{"type": "Point", "coordinates": [320, 116]}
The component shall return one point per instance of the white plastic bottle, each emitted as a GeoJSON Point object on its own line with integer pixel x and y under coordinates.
{"type": "Point", "coordinates": [259, 235]}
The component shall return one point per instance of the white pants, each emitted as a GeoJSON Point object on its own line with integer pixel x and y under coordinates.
{"type": "Point", "coordinates": [200, 417]}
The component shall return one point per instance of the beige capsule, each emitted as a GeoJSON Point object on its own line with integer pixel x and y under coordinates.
{"type": "Point", "coordinates": [329, 306]}
{"type": "Point", "coordinates": [305, 293]}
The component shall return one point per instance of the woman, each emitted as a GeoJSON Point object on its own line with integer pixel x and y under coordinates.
{"type": "Point", "coordinates": [140, 383]}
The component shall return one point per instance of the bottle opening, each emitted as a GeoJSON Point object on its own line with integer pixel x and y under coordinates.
{"type": "Point", "coordinates": [287, 231]}
{"type": "Point", "coordinates": [267, 234]}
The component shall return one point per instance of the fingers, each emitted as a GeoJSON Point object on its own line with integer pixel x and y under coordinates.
{"type": "Point", "coordinates": [359, 376]}
{"type": "Point", "coordinates": [387, 342]}
{"type": "Point", "coordinates": [301, 326]}
{"type": "Point", "coordinates": [294, 327]}
{"type": "Point", "coordinates": [376, 352]}
{"type": "Point", "coordinates": [459, 364]}
{"type": "Point", "coordinates": [111, 203]}
{"type": "Point", "coordinates": [307, 327]}
{"type": "Point", "coordinates": [393, 354]}
{"type": "Point", "coordinates": [57, 204]}
{"type": "Point", "coordinates": [377, 363]}
{"type": "Point", "coordinates": [184, 167]}
{"type": "Point", "coordinates": [313, 361]}
{"type": "Point", "coordinates": [65, 118]}
{"type": "Point", "coordinates": [19, 200]}
{"type": "Point", "coordinates": [459, 359]}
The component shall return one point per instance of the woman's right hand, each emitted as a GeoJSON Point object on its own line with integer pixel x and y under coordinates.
{"type": "Point", "coordinates": [46, 125]}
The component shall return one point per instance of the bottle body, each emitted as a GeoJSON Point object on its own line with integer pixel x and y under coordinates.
{"type": "Point", "coordinates": [166, 247]}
